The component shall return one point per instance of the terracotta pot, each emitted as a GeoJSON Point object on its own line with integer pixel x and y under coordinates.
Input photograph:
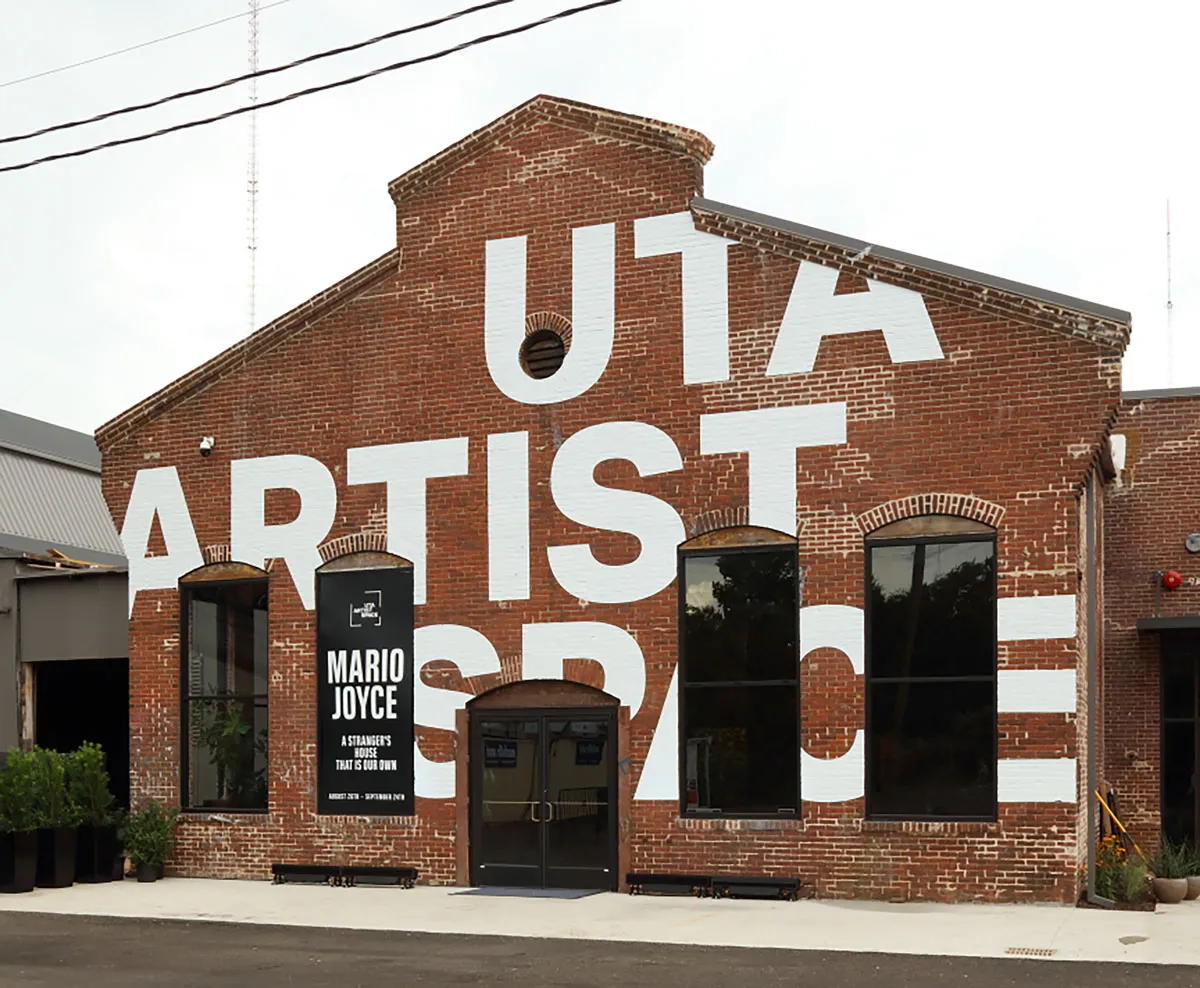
{"type": "Point", "coordinates": [1193, 891]}
{"type": "Point", "coordinates": [1170, 890]}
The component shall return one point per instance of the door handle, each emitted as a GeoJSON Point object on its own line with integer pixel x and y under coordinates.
{"type": "Point", "coordinates": [533, 812]}
{"type": "Point", "coordinates": [549, 812]}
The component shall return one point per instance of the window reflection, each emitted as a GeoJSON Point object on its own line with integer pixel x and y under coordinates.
{"type": "Point", "coordinates": [931, 679]}
{"type": "Point", "coordinates": [225, 712]}
{"type": "Point", "coordinates": [739, 678]}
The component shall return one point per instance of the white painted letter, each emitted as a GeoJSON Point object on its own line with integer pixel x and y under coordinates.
{"type": "Point", "coordinates": [833, 780]}
{"type": "Point", "coordinates": [813, 312]}
{"type": "Point", "coordinates": [434, 707]}
{"type": "Point", "coordinates": [545, 647]}
{"type": "Point", "coordinates": [771, 437]}
{"type": "Point", "coordinates": [652, 521]}
{"type": "Point", "coordinates": [508, 516]}
{"type": "Point", "coordinates": [660, 773]}
{"type": "Point", "coordinates": [705, 280]}
{"type": "Point", "coordinates": [252, 540]}
{"type": "Point", "coordinates": [593, 275]}
{"type": "Point", "coordinates": [157, 491]}
{"type": "Point", "coordinates": [405, 467]}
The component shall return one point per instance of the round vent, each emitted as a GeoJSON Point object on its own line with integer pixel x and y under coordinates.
{"type": "Point", "coordinates": [542, 353]}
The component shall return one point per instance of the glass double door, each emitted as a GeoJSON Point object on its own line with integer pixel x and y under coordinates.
{"type": "Point", "coordinates": [543, 799]}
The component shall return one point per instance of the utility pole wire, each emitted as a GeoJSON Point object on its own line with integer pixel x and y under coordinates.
{"type": "Point", "coordinates": [256, 74]}
{"type": "Point", "coordinates": [483, 39]}
{"type": "Point", "coordinates": [144, 44]}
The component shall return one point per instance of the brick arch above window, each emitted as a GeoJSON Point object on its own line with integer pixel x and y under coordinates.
{"type": "Point", "coordinates": [223, 570]}
{"type": "Point", "coordinates": [537, 321]}
{"type": "Point", "coordinates": [344, 545]}
{"type": "Point", "coordinates": [732, 536]}
{"type": "Point", "coordinates": [218, 553]}
{"type": "Point", "coordinates": [711, 521]}
{"type": "Point", "coordinates": [958, 505]}
{"type": "Point", "coordinates": [364, 559]}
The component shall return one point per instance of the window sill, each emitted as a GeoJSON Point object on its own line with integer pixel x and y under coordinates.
{"type": "Point", "coordinates": [738, 823]}
{"type": "Point", "coordinates": [216, 814]}
{"type": "Point", "coordinates": [964, 828]}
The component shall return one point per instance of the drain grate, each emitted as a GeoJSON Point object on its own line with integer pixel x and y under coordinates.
{"type": "Point", "coordinates": [1031, 951]}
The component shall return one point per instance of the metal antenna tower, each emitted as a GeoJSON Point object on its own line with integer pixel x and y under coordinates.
{"type": "Point", "coordinates": [252, 161]}
{"type": "Point", "coordinates": [1170, 305]}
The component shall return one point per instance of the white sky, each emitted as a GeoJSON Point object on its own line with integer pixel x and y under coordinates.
{"type": "Point", "coordinates": [1037, 141]}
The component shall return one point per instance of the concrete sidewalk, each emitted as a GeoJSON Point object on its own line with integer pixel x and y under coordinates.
{"type": "Point", "coordinates": [1169, 936]}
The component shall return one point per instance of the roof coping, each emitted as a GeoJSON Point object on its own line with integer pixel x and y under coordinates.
{"type": "Point", "coordinates": [914, 260]}
{"type": "Point", "coordinates": [1153, 393]}
{"type": "Point", "coordinates": [568, 113]}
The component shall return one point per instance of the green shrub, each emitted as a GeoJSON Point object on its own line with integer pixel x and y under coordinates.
{"type": "Point", "coordinates": [54, 806]}
{"type": "Point", "coordinates": [1173, 861]}
{"type": "Point", "coordinates": [1134, 883]}
{"type": "Point", "coordinates": [149, 834]}
{"type": "Point", "coordinates": [88, 785]}
{"type": "Point", "coordinates": [18, 792]}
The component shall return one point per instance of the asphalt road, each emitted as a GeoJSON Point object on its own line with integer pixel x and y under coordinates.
{"type": "Point", "coordinates": [41, 951]}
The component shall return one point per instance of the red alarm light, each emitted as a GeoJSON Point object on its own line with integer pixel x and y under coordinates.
{"type": "Point", "coordinates": [1172, 580]}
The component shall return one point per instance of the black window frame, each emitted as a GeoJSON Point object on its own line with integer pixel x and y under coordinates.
{"type": "Point", "coordinates": [683, 553]}
{"type": "Point", "coordinates": [868, 679]}
{"type": "Point", "coordinates": [186, 697]}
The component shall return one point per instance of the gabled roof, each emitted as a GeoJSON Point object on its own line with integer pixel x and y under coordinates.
{"type": "Point", "coordinates": [566, 113]}
{"type": "Point", "coordinates": [1063, 313]}
{"type": "Point", "coordinates": [50, 479]}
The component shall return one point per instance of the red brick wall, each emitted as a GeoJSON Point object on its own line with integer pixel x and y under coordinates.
{"type": "Point", "coordinates": [1150, 511]}
{"type": "Point", "coordinates": [1011, 416]}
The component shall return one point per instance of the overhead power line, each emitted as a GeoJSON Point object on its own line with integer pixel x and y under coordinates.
{"type": "Point", "coordinates": [256, 74]}
{"type": "Point", "coordinates": [483, 39]}
{"type": "Point", "coordinates": [144, 44]}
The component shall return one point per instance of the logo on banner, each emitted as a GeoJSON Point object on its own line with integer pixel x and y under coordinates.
{"type": "Point", "coordinates": [368, 614]}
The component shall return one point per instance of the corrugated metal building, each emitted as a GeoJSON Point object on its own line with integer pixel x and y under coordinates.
{"type": "Point", "coordinates": [64, 666]}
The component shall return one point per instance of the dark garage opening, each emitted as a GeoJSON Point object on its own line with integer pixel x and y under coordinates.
{"type": "Point", "coordinates": [86, 700]}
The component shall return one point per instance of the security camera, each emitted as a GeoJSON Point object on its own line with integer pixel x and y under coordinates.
{"type": "Point", "coordinates": [206, 445]}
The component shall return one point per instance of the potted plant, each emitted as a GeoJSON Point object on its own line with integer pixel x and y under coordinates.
{"type": "Point", "coordinates": [1121, 878]}
{"type": "Point", "coordinates": [149, 837]}
{"type": "Point", "coordinates": [57, 819]}
{"type": "Point", "coordinates": [97, 855]}
{"type": "Point", "coordinates": [233, 749]}
{"type": "Point", "coordinates": [18, 823]}
{"type": "Point", "coordinates": [1193, 878]}
{"type": "Point", "coordinates": [1171, 869]}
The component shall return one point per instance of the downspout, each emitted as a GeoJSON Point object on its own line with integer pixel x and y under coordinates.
{"type": "Point", "coordinates": [1090, 597]}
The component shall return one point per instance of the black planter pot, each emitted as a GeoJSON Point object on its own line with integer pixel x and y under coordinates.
{"type": "Point", "coordinates": [18, 861]}
{"type": "Point", "coordinates": [97, 854]}
{"type": "Point", "coordinates": [149, 872]}
{"type": "Point", "coordinates": [56, 857]}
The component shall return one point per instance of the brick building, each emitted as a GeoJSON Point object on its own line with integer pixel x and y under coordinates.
{"type": "Point", "coordinates": [1151, 666]}
{"type": "Point", "coordinates": [731, 546]}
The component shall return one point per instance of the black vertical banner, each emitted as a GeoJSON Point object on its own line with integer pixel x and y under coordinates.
{"type": "Point", "coordinates": [365, 692]}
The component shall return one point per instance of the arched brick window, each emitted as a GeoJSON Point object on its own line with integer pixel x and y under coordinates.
{"type": "Point", "coordinates": [931, 669]}
{"type": "Point", "coordinates": [224, 673]}
{"type": "Point", "coordinates": [739, 674]}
